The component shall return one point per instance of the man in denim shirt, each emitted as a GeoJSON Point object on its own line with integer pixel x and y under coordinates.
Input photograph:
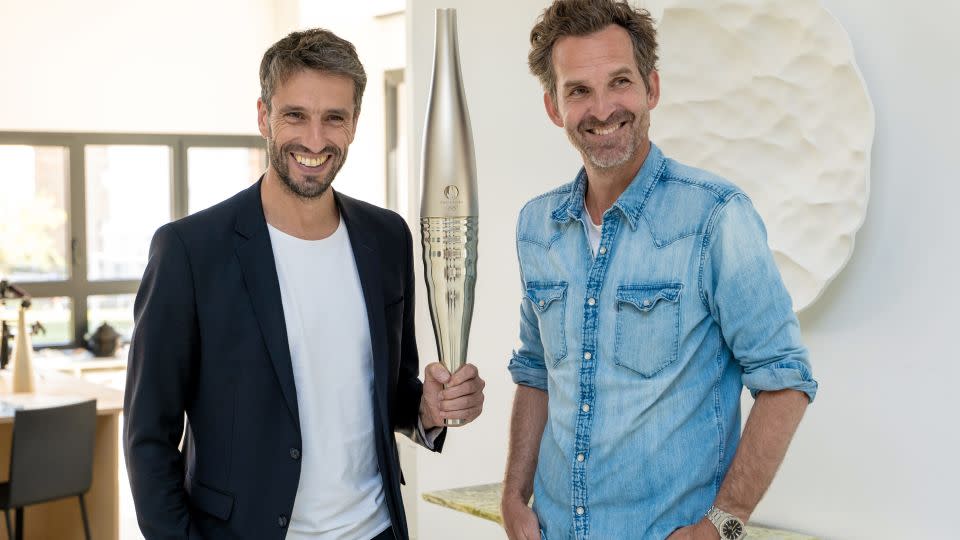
{"type": "Point", "coordinates": [650, 300]}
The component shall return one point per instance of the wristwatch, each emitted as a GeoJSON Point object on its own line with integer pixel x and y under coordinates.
{"type": "Point", "coordinates": [728, 525]}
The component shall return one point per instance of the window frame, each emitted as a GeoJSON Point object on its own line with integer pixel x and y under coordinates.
{"type": "Point", "coordinates": [77, 286]}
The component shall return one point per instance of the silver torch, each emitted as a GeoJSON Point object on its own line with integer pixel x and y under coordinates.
{"type": "Point", "coordinates": [448, 205]}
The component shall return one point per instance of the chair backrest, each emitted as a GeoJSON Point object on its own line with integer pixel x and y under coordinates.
{"type": "Point", "coordinates": [51, 455]}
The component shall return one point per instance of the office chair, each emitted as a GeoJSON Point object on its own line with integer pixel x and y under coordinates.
{"type": "Point", "coordinates": [51, 457]}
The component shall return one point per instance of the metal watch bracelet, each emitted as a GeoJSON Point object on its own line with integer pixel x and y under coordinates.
{"type": "Point", "coordinates": [728, 525]}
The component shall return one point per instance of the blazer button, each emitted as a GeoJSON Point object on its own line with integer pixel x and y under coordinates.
{"type": "Point", "coordinates": [282, 520]}
{"type": "Point", "coordinates": [294, 453]}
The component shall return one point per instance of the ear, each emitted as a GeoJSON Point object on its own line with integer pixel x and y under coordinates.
{"type": "Point", "coordinates": [263, 119]}
{"type": "Point", "coordinates": [653, 93]}
{"type": "Point", "coordinates": [552, 111]}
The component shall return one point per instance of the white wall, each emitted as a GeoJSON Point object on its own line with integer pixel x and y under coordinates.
{"type": "Point", "coordinates": [134, 66]}
{"type": "Point", "coordinates": [178, 67]}
{"type": "Point", "coordinates": [377, 30]}
{"type": "Point", "coordinates": [875, 456]}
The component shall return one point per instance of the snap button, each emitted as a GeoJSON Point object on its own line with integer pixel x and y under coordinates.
{"type": "Point", "coordinates": [294, 453]}
{"type": "Point", "coordinates": [646, 303]}
{"type": "Point", "coordinates": [587, 355]}
{"type": "Point", "coordinates": [580, 510]}
{"type": "Point", "coordinates": [282, 520]}
{"type": "Point", "coordinates": [542, 303]}
{"type": "Point", "coordinates": [591, 301]}
{"type": "Point", "coordinates": [580, 457]}
{"type": "Point", "coordinates": [603, 250]}
{"type": "Point", "coordinates": [585, 408]}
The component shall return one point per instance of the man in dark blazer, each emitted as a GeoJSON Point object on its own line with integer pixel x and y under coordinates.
{"type": "Point", "coordinates": [280, 323]}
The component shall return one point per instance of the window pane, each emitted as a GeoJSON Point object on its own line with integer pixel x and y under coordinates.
{"type": "Point", "coordinates": [33, 226]}
{"type": "Point", "coordinates": [218, 173]}
{"type": "Point", "coordinates": [53, 313]}
{"type": "Point", "coordinates": [128, 198]}
{"type": "Point", "coordinates": [115, 310]}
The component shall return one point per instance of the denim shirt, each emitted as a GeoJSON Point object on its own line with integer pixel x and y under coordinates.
{"type": "Point", "coordinates": [644, 348]}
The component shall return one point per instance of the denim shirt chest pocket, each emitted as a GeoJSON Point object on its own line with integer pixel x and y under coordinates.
{"type": "Point", "coordinates": [648, 327]}
{"type": "Point", "coordinates": [550, 302]}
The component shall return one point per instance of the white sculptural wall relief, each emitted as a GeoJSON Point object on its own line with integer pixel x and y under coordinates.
{"type": "Point", "coordinates": [766, 93]}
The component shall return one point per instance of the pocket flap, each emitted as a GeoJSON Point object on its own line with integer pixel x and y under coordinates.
{"type": "Point", "coordinates": [543, 293]}
{"type": "Point", "coordinates": [646, 297]}
{"type": "Point", "coordinates": [209, 500]}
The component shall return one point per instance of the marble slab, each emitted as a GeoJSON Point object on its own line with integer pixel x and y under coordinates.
{"type": "Point", "coordinates": [483, 501]}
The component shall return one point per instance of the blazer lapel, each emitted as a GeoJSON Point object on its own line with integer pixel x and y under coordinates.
{"type": "Point", "coordinates": [255, 253]}
{"type": "Point", "coordinates": [369, 267]}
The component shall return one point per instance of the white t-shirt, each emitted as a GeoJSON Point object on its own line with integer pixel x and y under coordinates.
{"type": "Point", "coordinates": [593, 230]}
{"type": "Point", "coordinates": [340, 495]}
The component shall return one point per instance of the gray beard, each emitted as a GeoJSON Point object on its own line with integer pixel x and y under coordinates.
{"type": "Point", "coordinates": [601, 157]}
{"type": "Point", "coordinates": [606, 161]}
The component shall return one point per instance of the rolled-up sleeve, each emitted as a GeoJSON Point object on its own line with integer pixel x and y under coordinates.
{"type": "Point", "coordinates": [741, 286]}
{"type": "Point", "coordinates": [526, 365]}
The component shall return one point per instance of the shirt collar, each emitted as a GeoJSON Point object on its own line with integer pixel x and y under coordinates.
{"type": "Point", "coordinates": [630, 202]}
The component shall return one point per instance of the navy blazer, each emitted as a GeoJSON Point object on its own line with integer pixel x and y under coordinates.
{"type": "Point", "coordinates": [210, 342]}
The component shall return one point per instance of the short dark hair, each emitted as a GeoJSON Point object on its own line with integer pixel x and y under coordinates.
{"type": "Point", "coordinates": [317, 49]}
{"type": "Point", "coordinates": [583, 17]}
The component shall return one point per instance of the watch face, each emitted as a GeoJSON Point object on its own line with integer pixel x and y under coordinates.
{"type": "Point", "coordinates": [732, 529]}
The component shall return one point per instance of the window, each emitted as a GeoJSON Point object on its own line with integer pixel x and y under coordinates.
{"type": "Point", "coordinates": [217, 173]}
{"type": "Point", "coordinates": [113, 309]}
{"type": "Point", "coordinates": [55, 314]}
{"type": "Point", "coordinates": [127, 199]}
{"type": "Point", "coordinates": [33, 226]}
{"type": "Point", "coordinates": [77, 212]}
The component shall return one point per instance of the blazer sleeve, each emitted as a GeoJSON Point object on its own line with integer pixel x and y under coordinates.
{"type": "Point", "coordinates": [410, 388]}
{"type": "Point", "coordinates": [163, 352]}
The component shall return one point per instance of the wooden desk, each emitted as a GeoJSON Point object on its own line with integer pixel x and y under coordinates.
{"type": "Point", "coordinates": [79, 361]}
{"type": "Point", "coordinates": [484, 501]}
{"type": "Point", "coordinates": [61, 519]}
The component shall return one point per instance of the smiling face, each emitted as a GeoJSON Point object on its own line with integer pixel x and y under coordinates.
{"type": "Point", "coordinates": [309, 126]}
{"type": "Point", "coordinates": [601, 99]}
